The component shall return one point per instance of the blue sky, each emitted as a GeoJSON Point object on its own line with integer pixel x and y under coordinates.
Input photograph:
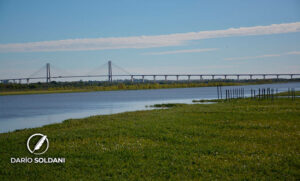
{"type": "Point", "coordinates": [150, 36]}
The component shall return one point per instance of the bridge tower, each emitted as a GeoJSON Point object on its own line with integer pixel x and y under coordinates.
{"type": "Point", "coordinates": [48, 76]}
{"type": "Point", "coordinates": [109, 72]}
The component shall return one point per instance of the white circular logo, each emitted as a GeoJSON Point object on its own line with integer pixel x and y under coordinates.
{"type": "Point", "coordinates": [37, 146]}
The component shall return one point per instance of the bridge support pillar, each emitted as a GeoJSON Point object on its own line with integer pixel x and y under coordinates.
{"type": "Point", "coordinates": [132, 79]}
{"type": "Point", "coordinates": [189, 77]}
{"type": "Point", "coordinates": [48, 76]}
{"type": "Point", "coordinates": [27, 81]}
{"type": "Point", "coordinates": [166, 77]}
{"type": "Point", "coordinates": [14, 81]}
{"type": "Point", "coordinates": [143, 78]}
{"type": "Point", "coordinates": [292, 76]}
{"type": "Point", "coordinates": [201, 77]}
{"type": "Point", "coordinates": [213, 77]}
{"type": "Point", "coordinates": [20, 81]}
{"type": "Point", "coordinates": [154, 78]}
{"type": "Point", "coordinates": [277, 76]}
{"type": "Point", "coordinates": [109, 72]}
{"type": "Point", "coordinates": [250, 77]}
{"type": "Point", "coordinates": [177, 77]}
{"type": "Point", "coordinates": [238, 77]}
{"type": "Point", "coordinates": [225, 77]}
{"type": "Point", "coordinates": [264, 76]}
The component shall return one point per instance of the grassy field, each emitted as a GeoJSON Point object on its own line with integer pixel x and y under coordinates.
{"type": "Point", "coordinates": [22, 92]}
{"type": "Point", "coordinates": [236, 140]}
{"type": "Point", "coordinates": [43, 88]}
{"type": "Point", "coordinates": [70, 89]}
{"type": "Point", "coordinates": [297, 93]}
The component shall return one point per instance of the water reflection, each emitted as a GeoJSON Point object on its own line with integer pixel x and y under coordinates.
{"type": "Point", "coordinates": [27, 111]}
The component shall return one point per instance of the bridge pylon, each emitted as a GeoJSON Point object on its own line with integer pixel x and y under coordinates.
{"type": "Point", "coordinates": [109, 72]}
{"type": "Point", "coordinates": [48, 75]}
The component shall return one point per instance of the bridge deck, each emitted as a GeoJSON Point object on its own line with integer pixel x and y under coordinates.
{"type": "Point", "coordinates": [157, 75]}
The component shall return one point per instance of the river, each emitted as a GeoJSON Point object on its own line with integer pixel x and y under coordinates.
{"type": "Point", "coordinates": [28, 111]}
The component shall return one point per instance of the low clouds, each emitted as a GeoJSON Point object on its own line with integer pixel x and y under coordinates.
{"type": "Point", "coordinates": [146, 41]}
{"type": "Point", "coordinates": [293, 53]}
{"type": "Point", "coordinates": [182, 51]}
{"type": "Point", "coordinates": [263, 56]}
{"type": "Point", "coordinates": [253, 57]}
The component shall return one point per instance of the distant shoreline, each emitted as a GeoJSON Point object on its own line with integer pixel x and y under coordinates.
{"type": "Point", "coordinates": [121, 86]}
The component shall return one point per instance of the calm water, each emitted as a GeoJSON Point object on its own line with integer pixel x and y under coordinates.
{"type": "Point", "coordinates": [28, 111]}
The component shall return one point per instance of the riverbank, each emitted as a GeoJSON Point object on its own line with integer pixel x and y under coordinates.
{"type": "Point", "coordinates": [16, 89]}
{"type": "Point", "coordinates": [297, 93]}
{"type": "Point", "coordinates": [238, 140]}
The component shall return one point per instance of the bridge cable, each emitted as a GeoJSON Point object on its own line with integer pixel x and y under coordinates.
{"type": "Point", "coordinates": [98, 69]}
{"type": "Point", "coordinates": [55, 71]}
{"type": "Point", "coordinates": [43, 68]}
{"type": "Point", "coordinates": [120, 68]}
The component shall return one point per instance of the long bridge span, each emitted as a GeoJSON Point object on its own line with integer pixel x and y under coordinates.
{"type": "Point", "coordinates": [153, 77]}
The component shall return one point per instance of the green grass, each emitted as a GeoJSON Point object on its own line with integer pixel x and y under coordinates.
{"type": "Point", "coordinates": [36, 88]}
{"type": "Point", "coordinates": [166, 105]}
{"type": "Point", "coordinates": [25, 92]}
{"type": "Point", "coordinates": [208, 100]}
{"type": "Point", "coordinates": [236, 140]}
{"type": "Point", "coordinates": [297, 93]}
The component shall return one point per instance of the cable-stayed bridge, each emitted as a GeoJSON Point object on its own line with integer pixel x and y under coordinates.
{"type": "Point", "coordinates": [109, 74]}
